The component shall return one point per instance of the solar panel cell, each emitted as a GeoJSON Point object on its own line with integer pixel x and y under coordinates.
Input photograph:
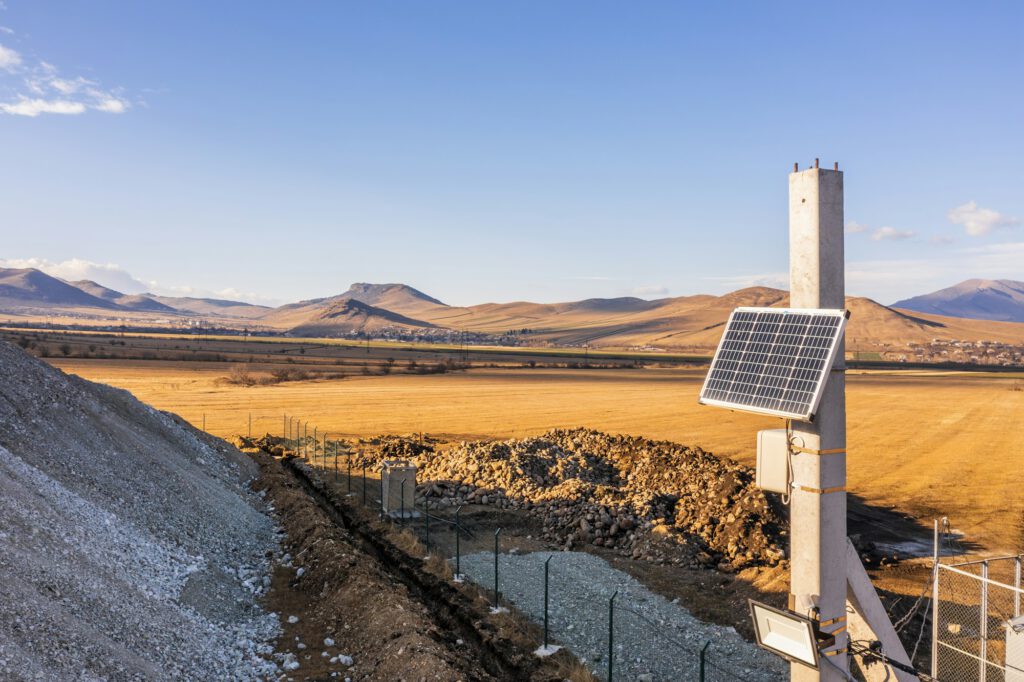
{"type": "Point", "coordinates": [774, 361]}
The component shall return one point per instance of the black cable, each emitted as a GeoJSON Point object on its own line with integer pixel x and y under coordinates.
{"type": "Point", "coordinates": [892, 663]}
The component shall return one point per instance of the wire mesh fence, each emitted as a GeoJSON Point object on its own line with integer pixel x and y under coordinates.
{"type": "Point", "coordinates": [978, 629]}
{"type": "Point", "coordinates": [616, 630]}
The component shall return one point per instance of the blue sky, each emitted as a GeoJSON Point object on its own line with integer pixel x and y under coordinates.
{"type": "Point", "coordinates": [487, 151]}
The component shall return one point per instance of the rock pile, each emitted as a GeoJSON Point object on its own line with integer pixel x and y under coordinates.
{"type": "Point", "coordinates": [652, 500]}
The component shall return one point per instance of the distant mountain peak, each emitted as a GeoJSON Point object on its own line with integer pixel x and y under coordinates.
{"type": "Point", "coordinates": [371, 293]}
{"type": "Point", "coordinates": [980, 299]}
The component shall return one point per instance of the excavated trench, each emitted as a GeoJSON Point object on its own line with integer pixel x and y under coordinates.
{"type": "Point", "coordinates": [456, 614]}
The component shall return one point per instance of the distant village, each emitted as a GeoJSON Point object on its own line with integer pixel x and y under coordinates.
{"type": "Point", "coordinates": [995, 353]}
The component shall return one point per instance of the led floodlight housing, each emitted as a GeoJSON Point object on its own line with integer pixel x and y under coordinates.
{"type": "Point", "coordinates": [786, 634]}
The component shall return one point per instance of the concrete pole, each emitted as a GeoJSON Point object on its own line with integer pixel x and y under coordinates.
{"type": "Point", "coordinates": [818, 502]}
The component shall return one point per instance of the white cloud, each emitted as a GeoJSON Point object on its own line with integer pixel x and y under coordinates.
{"type": "Point", "coordinates": [108, 274]}
{"type": "Point", "coordinates": [978, 221]}
{"type": "Point", "coordinates": [853, 227]}
{"type": "Point", "coordinates": [33, 107]}
{"type": "Point", "coordinates": [650, 290]}
{"type": "Point", "coordinates": [39, 89]}
{"type": "Point", "coordinates": [8, 31]}
{"type": "Point", "coordinates": [941, 239]}
{"type": "Point", "coordinates": [112, 105]}
{"type": "Point", "coordinates": [10, 60]}
{"type": "Point", "coordinates": [891, 234]}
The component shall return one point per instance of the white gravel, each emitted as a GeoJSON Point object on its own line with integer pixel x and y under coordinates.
{"type": "Point", "coordinates": [655, 639]}
{"type": "Point", "coordinates": [130, 546]}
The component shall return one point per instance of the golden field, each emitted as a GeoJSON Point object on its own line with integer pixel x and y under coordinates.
{"type": "Point", "coordinates": [924, 442]}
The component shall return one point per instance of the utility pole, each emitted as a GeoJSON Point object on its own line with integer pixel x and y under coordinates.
{"type": "Point", "coordinates": [818, 503]}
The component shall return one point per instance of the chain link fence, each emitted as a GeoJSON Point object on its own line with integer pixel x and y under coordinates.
{"type": "Point", "coordinates": [622, 638]}
{"type": "Point", "coordinates": [978, 631]}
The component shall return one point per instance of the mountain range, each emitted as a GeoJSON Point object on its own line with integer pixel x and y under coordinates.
{"type": "Point", "coordinates": [684, 322]}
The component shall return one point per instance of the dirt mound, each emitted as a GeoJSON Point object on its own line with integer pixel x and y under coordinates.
{"type": "Point", "coordinates": [274, 445]}
{"type": "Point", "coordinates": [646, 499]}
{"type": "Point", "coordinates": [131, 546]}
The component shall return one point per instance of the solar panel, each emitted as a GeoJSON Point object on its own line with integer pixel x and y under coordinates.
{"type": "Point", "coordinates": [774, 360]}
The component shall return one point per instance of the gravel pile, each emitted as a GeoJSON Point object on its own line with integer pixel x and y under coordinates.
{"type": "Point", "coordinates": [130, 545]}
{"type": "Point", "coordinates": [652, 500]}
{"type": "Point", "coordinates": [655, 639]}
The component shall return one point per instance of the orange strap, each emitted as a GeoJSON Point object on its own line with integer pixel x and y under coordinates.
{"type": "Point", "coordinates": [809, 451]}
{"type": "Point", "coordinates": [821, 491]}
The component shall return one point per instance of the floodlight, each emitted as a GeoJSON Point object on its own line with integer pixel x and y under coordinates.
{"type": "Point", "coordinates": [774, 360]}
{"type": "Point", "coordinates": [786, 634]}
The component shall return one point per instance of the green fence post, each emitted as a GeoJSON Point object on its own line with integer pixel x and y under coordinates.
{"type": "Point", "coordinates": [703, 653]}
{"type": "Point", "coordinates": [611, 633]}
{"type": "Point", "coordinates": [458, 552]}
{"type": "Point", "coordinates": [426, 524]}
{"type": "Point", "coordinates": [497, 533]}
{"type": "Point", "coordinates": [546, 562]}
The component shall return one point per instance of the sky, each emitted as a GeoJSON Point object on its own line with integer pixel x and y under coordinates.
{"type": "Point", "coordinates": [484, 151]}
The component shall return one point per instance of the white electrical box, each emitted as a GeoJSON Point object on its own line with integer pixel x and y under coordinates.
{"type": "Point", "coordinates": [1015, 650]}
{"type": "Point", "coordinates": [773, 461]}
{"type": "Point", "coordinates": [398, 489]}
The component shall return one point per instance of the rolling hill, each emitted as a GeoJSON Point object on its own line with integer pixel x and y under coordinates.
{"type": "Point", "coordinates": [28, 288]}
{"type": "Point", "coordinates": [980, 299]}
{"type": "Point", "coordinates": [211, 307]}
{"type": "Point", "coordinates": [348, 315]}
{"type": "Point", "coordinates": [395, 298]}
{"type": "Point", "coordinates": [129, 301]}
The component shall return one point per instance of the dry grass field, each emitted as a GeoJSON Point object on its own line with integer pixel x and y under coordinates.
{"type": "Point", "coordinates": [925, 442]}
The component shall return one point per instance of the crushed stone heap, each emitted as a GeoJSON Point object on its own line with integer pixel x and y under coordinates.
{"type": "Point", "coordinates": [130, 545]}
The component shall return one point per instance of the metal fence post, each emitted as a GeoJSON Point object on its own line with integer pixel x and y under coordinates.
{"type": "Point", "coordinates": [284, 431]}
{"type": "Point", "coordinates": [458, 536]}
{"type": "Point", "coordinates": [348, 458]}
{"type": "Point", "coordinates": [401, 491]}
{"type": "Point", "coordinates": [382, 507]}
{"type": "Point", "coordinates": [611, 633]}
{"type": "Point", "coordinates": [497, 533]}
{"type": "Point", "coordinates": [936, 576]}
{"type": "Point", "coordinates": [983, 625]}
{"type": "Point", "coordinates": [1016, 586]}
{"type": "Point", "coordinates": [364, 483]}
{"type": "Point", "coordinates": [703, 654]}
{"type": "Point", "coordinates": [314, 446]}
{"type": "Point", "coordinates": [204, 421]}
{"type": "Point", "coordinates": [546, 562]}
{"type": "Point", "coordinates": [335, 461]}
{"type": "Point", "coordinates": [426, 524]}
{"type": "Point", "coordinates": [250, 425]}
